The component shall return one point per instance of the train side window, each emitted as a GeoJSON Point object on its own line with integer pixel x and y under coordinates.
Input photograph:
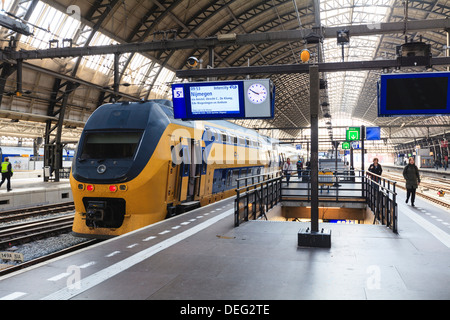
{"type": "Point", "coordinates": [228, 177]}
{"type": "Point", "coordinates": [224, 137]}
{"type": "Point", "coordinates": [235, 176]}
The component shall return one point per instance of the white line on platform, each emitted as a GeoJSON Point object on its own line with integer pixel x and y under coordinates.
{"type": "Point", "coordinates": [111, 271]}
{"type": "Point", "coordinates": [12, 296]}
{"type": "Point", "coordinates": [437, 232]}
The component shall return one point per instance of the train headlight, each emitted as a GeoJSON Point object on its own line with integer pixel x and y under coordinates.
{"type": "Point", "coordinates": [80, 186]}
{"type": "Point", "coordinates": [90, 187]}
{"type": "Point", "coordinates": [101, 169]}
{"type": "Point", "coordinates": [112, 188]}
{"type": "Point", "coordinates": [123, 187]}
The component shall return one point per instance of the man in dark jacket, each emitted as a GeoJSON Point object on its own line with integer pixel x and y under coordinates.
{"type": "Point", "coordinates": [412, 177]}
{"type": "Point", "coordinates": [6, 173]}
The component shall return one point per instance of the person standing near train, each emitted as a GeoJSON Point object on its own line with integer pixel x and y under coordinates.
{"type": "Point", "coordinates": [412, 177]}
{"type": "Point", "coordinates": [7, 173]}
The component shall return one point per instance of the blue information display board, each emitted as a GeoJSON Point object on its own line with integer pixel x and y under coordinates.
{"type": "Point", "coordinates": [414, 94]}
{"type": "Point", "coordinates": [373, 133]}
{"type": "Point", "coordinates": [244, 99]}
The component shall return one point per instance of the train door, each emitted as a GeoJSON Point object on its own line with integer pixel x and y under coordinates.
{"type": "Point", "coordinates": [184, 169]}
{"type": "Point", "coordinates": [190, 170]}
{"type": "Point", "coordinates": [176, 171]}
{"type": "Point", "coordinates": [172, 179]}
{"type": "Point", "coordinates": [195, 170]}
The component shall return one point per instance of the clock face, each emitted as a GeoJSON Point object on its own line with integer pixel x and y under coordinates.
{"type": "Point", "coordinates": [257, 93]}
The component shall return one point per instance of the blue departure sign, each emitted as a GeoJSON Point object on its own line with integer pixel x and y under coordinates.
{"type": "Point", "coordinates": [245, 99]}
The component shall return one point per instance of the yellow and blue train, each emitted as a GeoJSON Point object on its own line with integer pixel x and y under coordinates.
{"type": "Point", "coordinates": [136, 165]}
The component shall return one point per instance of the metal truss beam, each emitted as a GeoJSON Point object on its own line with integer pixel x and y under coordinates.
{"type": "Point", "coordinates": [235, 39]}
{"type": "Point", "coordinates": [344, 127]}
{"type": "Point", "coordinates": [300, 68]}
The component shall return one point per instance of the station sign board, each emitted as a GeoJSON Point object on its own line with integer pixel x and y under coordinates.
{"type": "Point", "coordinates": [11, 256]}
{"type": "Point", "coordinates": [239, 99]}
{"type": "Point", "coordinates": [345, 145]}
{"type": "Point", "coordinates": [353, 134]}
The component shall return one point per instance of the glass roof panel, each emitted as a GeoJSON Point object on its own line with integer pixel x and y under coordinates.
{"type": "Point", "coordinates": [53, 25]}
{"type": "Point", "coordinates": [344, 87]}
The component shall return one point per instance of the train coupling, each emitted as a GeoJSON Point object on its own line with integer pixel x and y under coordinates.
{"type": "Point", "coordinates": [96, 211]}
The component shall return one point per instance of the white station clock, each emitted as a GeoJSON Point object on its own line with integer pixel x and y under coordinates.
{"type": "Point", "coordinates": [257, 93]}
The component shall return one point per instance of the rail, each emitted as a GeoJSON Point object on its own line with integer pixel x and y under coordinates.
{"type": "Point", "coordinates": [255, 199]}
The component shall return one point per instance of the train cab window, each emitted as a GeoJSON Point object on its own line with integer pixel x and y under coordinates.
{"type": "Point", "coordinates": [110, 145]}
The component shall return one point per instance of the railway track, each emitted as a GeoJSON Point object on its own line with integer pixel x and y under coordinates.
{"type": "Point", "coordinates": [19, 233]}
{"type": "Point", "coordinates": [30, 224]}
{"type": "Point", "coordinates": [23, 265]}
{"type": "Point", "coordinates": [19, 214]}
{"type": "Point", "coordinates": [433, 186]}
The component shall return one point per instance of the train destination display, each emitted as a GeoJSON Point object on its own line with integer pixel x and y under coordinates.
{"type": "Point", "coordinates": [223, 100]}
{"type": "Point", "coordinates": [216, 99]}
{"type": "Point", "coordinates": [426, 93]}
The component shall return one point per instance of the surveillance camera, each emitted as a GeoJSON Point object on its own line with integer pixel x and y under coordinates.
{"type": "Point", "coordinates": [192, 62]}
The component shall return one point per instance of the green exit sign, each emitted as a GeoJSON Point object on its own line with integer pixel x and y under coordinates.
{"type": "Point", "coordinates": [345, 145]}
{"type": "Point", "coordinates": [353, 133]}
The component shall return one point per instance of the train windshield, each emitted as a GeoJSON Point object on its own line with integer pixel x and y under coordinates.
{"type": "Point", "coordinates": [110, 145]}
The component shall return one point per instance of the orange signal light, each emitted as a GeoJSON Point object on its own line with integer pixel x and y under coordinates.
{"type": "Point", "coordinates": [305, 55]}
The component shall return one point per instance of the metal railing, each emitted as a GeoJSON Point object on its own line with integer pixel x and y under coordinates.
{"type": "Point", "coordinates": [255, 195]}
{"type": "Point", "coordinates": [381, 198]}
{"type": "Point", "coordinates": [334, 186]}
{"type": "Point", "coordinates": [259, 194]}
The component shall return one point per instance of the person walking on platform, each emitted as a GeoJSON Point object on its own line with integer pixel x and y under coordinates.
{"type": "Point", "coordinates": [288, 167]}
{"type": "Point", "coordinates": [299, 168]}
{"type": "Point", "coordinates": [412, 177]}
{"type": "Point", "coordinates": [375, 168]}
{"type": "Point", "coordinates": [7, 173]}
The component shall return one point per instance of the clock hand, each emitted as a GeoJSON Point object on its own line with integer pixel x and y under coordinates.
{"type": "Point", "coordinates": [254, 91]}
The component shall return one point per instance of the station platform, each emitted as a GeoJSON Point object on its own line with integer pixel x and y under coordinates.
{"type": "Point", "coordinates": [29, 189]}
{"type": "Point", "coordinates": [201, 256]}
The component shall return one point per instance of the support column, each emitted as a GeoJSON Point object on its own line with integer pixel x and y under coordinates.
{"type": "Point", "coordinates": [314, 112]}
{"type": "Point", "coordinates": [312, 237]}
{"type": "Point", "coordinates": [363, 172]}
